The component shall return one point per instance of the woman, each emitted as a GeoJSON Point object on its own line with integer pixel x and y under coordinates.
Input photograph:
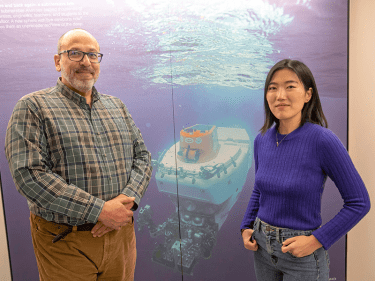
{"type": "Point", "coordinates": [282, 223]}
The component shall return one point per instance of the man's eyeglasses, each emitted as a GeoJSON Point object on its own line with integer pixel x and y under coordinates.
{"type": "Point", "coordinates": [75, 55]}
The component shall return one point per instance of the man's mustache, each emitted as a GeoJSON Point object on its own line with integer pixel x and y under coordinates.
{"type": "Point", "coordinates": [85, 69]}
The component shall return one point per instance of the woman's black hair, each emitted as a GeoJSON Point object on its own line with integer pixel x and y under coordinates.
{"type": "Point", "coordinates": [312, 111]}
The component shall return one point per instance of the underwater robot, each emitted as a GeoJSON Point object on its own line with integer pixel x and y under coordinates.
{"type": "Point", "coordinates": [209, 173]}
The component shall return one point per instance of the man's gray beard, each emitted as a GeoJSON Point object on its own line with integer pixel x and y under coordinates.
{"type": "Point", "coordinates": [82, 86]}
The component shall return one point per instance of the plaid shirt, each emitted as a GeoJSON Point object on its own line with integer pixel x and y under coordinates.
{"type": "Point", "coordinates": [67, 159]}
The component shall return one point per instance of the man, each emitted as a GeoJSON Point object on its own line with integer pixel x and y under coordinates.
{"type": "Point", "coordinates": [80, 161]}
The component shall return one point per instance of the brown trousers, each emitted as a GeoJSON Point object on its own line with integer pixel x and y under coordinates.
{"type": "Point", "coordinates": [80, 256]}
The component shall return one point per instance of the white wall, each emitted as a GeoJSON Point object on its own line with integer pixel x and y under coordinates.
{"type": "Point", "coordinates": [361, 239]}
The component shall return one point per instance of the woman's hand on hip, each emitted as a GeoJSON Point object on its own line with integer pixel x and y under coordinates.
{"type": "Point", "coordinates": [249, 244]}
{"type": "Point", "coordinates": [301, 246]}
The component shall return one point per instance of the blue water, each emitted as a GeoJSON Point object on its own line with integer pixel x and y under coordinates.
{"type": "Point", "coordinates": [223, 43]}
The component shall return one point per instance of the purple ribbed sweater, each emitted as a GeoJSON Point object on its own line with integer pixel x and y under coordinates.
{"type": "Point", "coordinates": [289, 182]}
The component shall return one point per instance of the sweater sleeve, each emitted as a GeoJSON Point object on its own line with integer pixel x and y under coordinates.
{"type": "Point", "coordinates": [336, 163]}
{"type": "Point", "coordinates": [253, 206]}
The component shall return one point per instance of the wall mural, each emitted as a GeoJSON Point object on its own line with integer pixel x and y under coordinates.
{"type": "Point", "coordinates": [192, 75]}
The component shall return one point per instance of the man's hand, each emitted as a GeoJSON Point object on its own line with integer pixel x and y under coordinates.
{"type": "Point", "coordinates": [116, 212]}
{"type": "Point", "coordinates": [100, 229]}
{"type": "Point", "coordinates": [301, 246]}
{"type": "Point", "coordinates": [128, 205]}
{"type": "Point", "coordinates": [250, 245]}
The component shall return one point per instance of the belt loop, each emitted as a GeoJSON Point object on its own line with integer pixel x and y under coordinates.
{"type": "Point", "coordinates": [278, 235]}
{"type": "Point", "coordinates": [74, 229]}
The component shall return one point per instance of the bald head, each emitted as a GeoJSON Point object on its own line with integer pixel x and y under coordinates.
{"type": "Point", "coordinates": [79, 75]}
{"type": "Point", "coordinates": [76, 32]}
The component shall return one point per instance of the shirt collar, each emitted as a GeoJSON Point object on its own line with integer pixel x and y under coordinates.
{"type": "Point", "coordinates": [74, 96]}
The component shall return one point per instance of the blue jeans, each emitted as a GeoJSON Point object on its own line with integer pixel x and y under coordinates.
{"type": "Point", "coordinates": [271, 264]}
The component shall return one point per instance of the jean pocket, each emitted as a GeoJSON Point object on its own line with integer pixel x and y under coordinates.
{"type": "Point", "coordinates": [283, 239]}
{"type": "Point", "coordinates": [45, 232]}
{"type": "Point", "coordinates": [300, 258]}
{"type": "Point", "coordinates": [47, 229]}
